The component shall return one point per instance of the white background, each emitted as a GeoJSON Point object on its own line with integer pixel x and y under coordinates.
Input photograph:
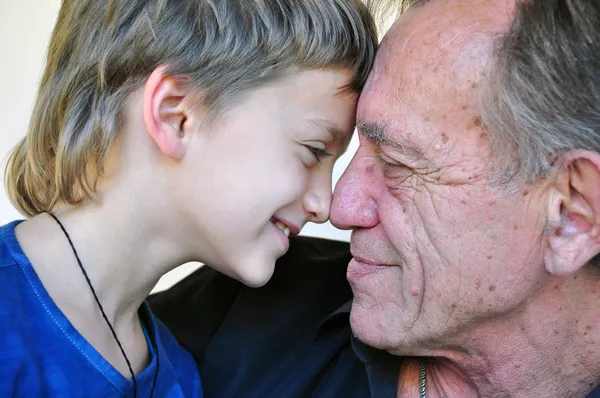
{"type": "Point", "coordinates": [25, 27]}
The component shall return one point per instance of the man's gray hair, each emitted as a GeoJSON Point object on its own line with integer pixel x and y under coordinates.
{"type": "Point", "coordinates": [543, 90]}
{"type": "Point", "coordinates": [386, 10]}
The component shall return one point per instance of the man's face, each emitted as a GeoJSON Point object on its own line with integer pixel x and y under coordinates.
{"type": "Point", "coordinates": [437, 250]}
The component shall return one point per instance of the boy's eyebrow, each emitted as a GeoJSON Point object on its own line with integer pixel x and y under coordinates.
{"type": "Point", "coordinates": [333, 129]}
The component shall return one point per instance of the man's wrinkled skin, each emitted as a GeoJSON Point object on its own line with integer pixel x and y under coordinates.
{"type": "Point", "coordinates": [483, 279]}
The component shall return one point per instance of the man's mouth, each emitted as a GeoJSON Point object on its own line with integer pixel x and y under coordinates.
{"type": "Point", "coordinates": [371, 260]}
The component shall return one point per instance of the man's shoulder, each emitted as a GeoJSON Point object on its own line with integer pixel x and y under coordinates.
{"type": "Point", "coordinates": [322, 256]}
{"type": "Point", "coordinates": [595, 393]}
{"type": "Point", "coordinates": [195, 307]}
{"type": "Point", "coordinates": [311, 246]}
{"type": "Point", "coordinates": [304, 251]}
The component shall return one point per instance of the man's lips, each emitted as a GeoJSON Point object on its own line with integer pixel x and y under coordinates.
{"type": "Point", "coordinates": [359, 268]}
{"type": "Point", "coordinates": [368, 260]}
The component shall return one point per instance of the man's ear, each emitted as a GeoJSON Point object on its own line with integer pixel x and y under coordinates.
{"type": "Point", "coordinates": [574, 213]}
{"type": "Point", "coordinates": [166, 112]}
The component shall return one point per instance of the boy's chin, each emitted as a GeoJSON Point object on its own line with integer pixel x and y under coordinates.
{"type": "Point", "coordinates": [255, 273]}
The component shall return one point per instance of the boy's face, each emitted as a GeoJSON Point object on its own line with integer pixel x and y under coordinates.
{"type": "Point", "coordinates": [264, 170]}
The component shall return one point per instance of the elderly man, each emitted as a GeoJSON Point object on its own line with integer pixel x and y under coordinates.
{"type": "Point", "coordinates": [474, 200]}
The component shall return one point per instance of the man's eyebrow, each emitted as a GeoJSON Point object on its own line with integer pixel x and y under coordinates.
{"type": "Point", "coordinates": [333, 129]}
{"type": "Point", "coordinates": [378, 133]}
{"type": "Point", "coordinates": [410, 3]}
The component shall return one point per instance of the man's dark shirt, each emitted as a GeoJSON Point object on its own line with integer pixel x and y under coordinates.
{"type": "Point", "coordinates": [290, 338]}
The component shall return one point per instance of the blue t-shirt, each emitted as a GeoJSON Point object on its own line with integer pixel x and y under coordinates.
{"type": "Point", "coordinates": [43, 355]}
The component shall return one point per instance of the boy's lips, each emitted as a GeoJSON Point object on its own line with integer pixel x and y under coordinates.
{"type": "Point", "coordinates": [293, 228]}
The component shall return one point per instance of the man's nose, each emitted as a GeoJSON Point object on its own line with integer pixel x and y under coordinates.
{"type": "Point", "coordinates": [317, 199]}
{"type": "Point", "coordinates": [354, 204]}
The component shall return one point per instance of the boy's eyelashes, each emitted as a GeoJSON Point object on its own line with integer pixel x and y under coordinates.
{"type": "Point", "coordinates": [318, 153]}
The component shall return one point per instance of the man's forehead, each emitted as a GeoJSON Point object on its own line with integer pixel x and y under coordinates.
{"type": "Point", "coordinates": [424, 86]}
{"type": "Point", "coordinates": [433, 59]}
{"type": "Point", "coordinates": [435, 27]}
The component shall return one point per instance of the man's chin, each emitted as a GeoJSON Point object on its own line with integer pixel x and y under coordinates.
{"type": "Point", "coordinates": [367, 326]}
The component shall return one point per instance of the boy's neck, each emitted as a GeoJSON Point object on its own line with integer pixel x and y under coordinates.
{"type": "Point", "coordinates": [124, 257]}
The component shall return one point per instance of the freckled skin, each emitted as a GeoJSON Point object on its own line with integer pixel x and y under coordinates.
{"type": "Point", "coordinates": [465, 280]}
{"type": "Point", "coordinates": [414, 208]}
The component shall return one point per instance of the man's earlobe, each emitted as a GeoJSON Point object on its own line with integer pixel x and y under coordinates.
{"type": "Point", "coordinates": [573, 224]}
{"type": "Point", "coordinates": [165, 112]}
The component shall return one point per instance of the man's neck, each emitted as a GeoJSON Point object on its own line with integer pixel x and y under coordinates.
{"type": "Point", "coordinates": [549, 349]}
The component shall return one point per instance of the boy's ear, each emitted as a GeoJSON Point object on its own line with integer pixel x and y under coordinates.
{"type": "Point", "coordinates": [166, 114]}
{"type": "Point", "coordinates": [573, 224]}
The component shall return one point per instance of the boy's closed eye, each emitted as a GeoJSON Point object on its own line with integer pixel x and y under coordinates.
{"type": "Point", "coordinates": [318, 153]}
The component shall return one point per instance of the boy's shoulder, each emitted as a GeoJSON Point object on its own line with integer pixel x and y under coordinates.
{"type": "Point", "coordinates": [10, 250]}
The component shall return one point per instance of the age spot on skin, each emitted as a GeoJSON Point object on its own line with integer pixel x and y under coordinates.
{"type": "Point", "coordinates": [475, 123]}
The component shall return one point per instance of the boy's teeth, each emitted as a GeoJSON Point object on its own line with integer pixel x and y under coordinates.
{"type": "Point", "coordinates": [283, 227]}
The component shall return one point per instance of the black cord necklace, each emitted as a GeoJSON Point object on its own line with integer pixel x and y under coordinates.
{"type": "Point", "coordinates": [112, 330]}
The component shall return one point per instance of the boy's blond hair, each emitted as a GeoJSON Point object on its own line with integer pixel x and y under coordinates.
{"type": "Point", "coordinates": [101, 51]}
